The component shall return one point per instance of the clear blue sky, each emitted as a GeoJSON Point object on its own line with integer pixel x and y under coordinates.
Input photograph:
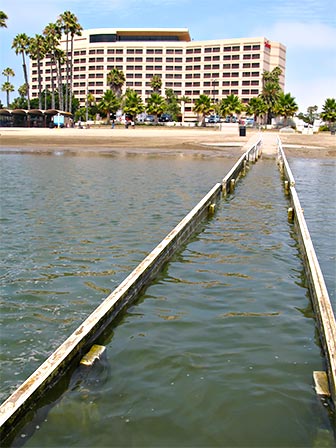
{"type": "Point", "coordinates": [306, 27]}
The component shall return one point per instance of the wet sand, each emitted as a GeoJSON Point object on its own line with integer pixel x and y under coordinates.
{"type": "Point", "coordinates": [168, 140]}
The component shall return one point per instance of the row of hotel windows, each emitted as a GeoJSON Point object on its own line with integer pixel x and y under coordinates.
{"type": "Point", "coordinates": [178, 92]}
{"type": "Point", "coordinates": [254, 47]}
{"type": "Point", "coordinates": [157, 67]}
{"type": "Point", "coordinates": [150, 59]}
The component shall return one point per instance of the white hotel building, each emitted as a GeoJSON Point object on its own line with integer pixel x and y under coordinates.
{"type": "Point", "coordinates": [216, 68]}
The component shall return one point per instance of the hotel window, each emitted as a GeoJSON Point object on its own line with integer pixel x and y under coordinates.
{"type": "Point", "coordinates": [158, 67]}
{"type": "Point", "coordinates": [169, 76]}
{"type": "Point", "coordinates": [236, 48]}
{"type": "Point", "coordinates": [91, 83]}
{"type": "Point", "coordinates": [234, 91]}
{"type": "Point", "coordinates": [225, 92]}
{"type": "Point", "coordinates": [197, 50]}
{"type": "Point", "coordinates": [149, 51]}
{"type": "Point", "coordinates": [196, 75]}
{"type": "Point", "coordinates": [138, 59]}
{"type": "Point", "coordinates": [158, 51]}
{"type": "Point", "coordinates": [100, 51]}
{"type": "Point", "coordinates": [227, 48]}
{"type": "Point", "coordinates": [99, 83]}
{"type": "Point", "coordinates": [226, 66]}
{"type": "Point", "coordinates": [225, 83]}
{"type": "Point", "coordinates": [130, 51]}
{"type": "Point", "coordinates": [256, 56]}
{"type": "Point", "coordinates": [76, 53]}
{"type": "Point", "coordinates": [178, 60]}
{"type": "Point", "coordinates": [158, 59]}
{"type": "Point", "coordinates": [99, 75]}
{"type": "Point", "coordinates": [234, 83]}
{"type": "Point", "coordinates": [245, 74]}
{"type": "Point", "coordinates": [247, 47]}
{"type": "Point", "coordinates": [149, 59]}
{"type": "Point", "coordinates": [177, 84]}
{"type": "Point", "coordinates": [119, 51]}
{"type": "Point", "coordinates": [109, 59]}
{"type": "Point", "coordinates": [129, 67]}
{"type": "Point", "coordinates": [207, 50]}
{"type": "Point", "coordinates": [129, 84]}
{"type": "Point", "coordinates": [187, 59]}
{"type": "Point", "coordinates": [83, 52]}
{"type": "Point", "coordinates": [254, 82]}
{"type": "Point", "coordinates": [129, 75]}
{"type": "Point", "coordinates": [170, 51]}
{"type": "Point", "coordinates": [227, 57]}
{"type": "Point", "coordinates": [235, 57]}
{"type": "Point", "coordinates": [188, 92]}
{"type": "Point", "coordinates": [138, 75]}
{"type": "Point", "coordinates": [255, 73]}
{"type": "Point", "coordinates": [197, 67]}
{"type": "Point", "coordinates": [246, 56]}
{"type": "Point", "coordinates": [215, 66]}
{"type": "Point", "coordinates": [245, 83]}
{"type": "Point", "coordinates": [255, 47]}
{"type": "Point", "coordinates": [99, 92]}
{"type": "Point", "coordinates": [234, 74]}
{"type": "Point", "coordinates": [110, 51]}
{"type": "Point", "coordinates": [92, 51]}
{"type": "Point", "coordinates": [246, 65]}
{"type": "Point", "coordinates": [196, 92]}
{"type": "Point", "coordinates": [169, 84]}
{"type": "Point", "coordinates": [119, 59]}
{"type": "Point", "coordinates": [100, 60]}
{"type": "Point", "coordinates": [254, 91]}
{"type": "Point", "coordinates": [189, 51]}
{"type": "Point", "coordinates": [92, 75]}
{"type": "Point", "coordinates": [138, 67]}
{"type": "Point", "coordinates": [188, 76]}
{"type": "Point", "coordinates": [149, 67]}
{"type": "Point", "coordinates": [255, 65]}
{"type": "Point", "coordinates": [197, 58]}
{"type": "Point", "coordinates": [207, 67]}
{"type": "Point", "coordinates": [130, 59]}
{"type": "Point", "coordinates": [138, 51]}
{"type": "Point", "coordinates": [235, 65]}
{"type": "Point", "coordinates": [246, 91]}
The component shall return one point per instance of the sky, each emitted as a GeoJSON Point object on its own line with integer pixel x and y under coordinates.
{"type": "Point", "coordinates": [307, 28]}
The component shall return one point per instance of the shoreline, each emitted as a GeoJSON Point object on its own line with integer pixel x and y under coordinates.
{"type": "Point", "coordinates": [159, 140]}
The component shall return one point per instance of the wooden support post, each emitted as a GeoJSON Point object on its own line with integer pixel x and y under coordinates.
{"type": "Point", "coordinates": [212, 208]}
{"type": "Point", "coordinates": [232, 185]}
{"type": "Point", "coordinates": [286, 187]}
{"type": "Point", "coordinates": [290, 214]}
{"type": "Point", "coordinates": [321, 383]}
{"type": "Point", "coordinates": [93, 355]}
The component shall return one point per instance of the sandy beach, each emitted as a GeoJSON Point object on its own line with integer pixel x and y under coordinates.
{"type": "Point", "coordinates": [170, 140]}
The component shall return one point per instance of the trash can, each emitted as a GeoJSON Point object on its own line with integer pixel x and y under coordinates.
{"type": "Point", "coordinates": [332, 131]}
{"type": "Point", "coordinates": [242, 131]}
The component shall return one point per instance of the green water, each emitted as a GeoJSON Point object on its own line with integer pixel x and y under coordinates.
{"type": "Point", "coordinates": [218, 352]}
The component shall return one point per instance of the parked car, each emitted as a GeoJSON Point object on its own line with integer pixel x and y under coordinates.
{"type": "Point", "coordinates": [165, 117]}
{"type": "Point", "coordinates": [149, 119]}
{"type": "Point", "coordinates": [214, 119]}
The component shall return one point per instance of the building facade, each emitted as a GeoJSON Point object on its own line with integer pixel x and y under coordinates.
{"type": "Point", "coordinates": [216, 68]}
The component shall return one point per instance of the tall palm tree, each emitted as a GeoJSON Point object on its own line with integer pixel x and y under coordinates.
{"type": "Point", "coordinates": [156, 105]}
{"type": "Point", "coordinates": [271, 90]}
{"type": "Point", "coordinates": [3, 18]}
{"type": "Point", "coordinates": [52, 35]}
{"type": "Point", "coordinates": [8, 72]}
{"type": "Point", "coordinates": [285, 106]}
{"type": "Point", "coordinates": [20, 45]}
{"type": "Point", "coordinates": [7, 87]}
{"type": "Point", "coordinates": [110, 102]}
{"type": "Point", "coordinates": [203, 106]}
{"type": "Point", "coordinates": [68, 23]}
{"type": "Point", "coordinates": [37, 51]}
{"type": "Point", "coordinates": [115, 80]}
{"type": "Point", "coordinates": [156, 83]}
{"type": "Point", "coordinates": [132, 103]}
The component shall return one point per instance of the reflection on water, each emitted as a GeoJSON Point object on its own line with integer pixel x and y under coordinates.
{"type": "Point", "coordinates": [218, 351]}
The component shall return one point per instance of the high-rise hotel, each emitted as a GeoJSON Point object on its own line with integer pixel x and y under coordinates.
{"type": "Point", "coordinates": [216, 68]}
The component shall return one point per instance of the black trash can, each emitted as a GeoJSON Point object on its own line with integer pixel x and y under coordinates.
{"type": "Point", "coordinates": [242, 131]}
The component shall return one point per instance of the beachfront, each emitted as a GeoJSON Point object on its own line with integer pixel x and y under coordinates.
{"type": "Point", "coordinates": [212, 140]}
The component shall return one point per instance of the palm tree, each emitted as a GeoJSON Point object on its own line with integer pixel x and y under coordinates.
{"type": "Point", "coordinates": [203, 106]}
{"type": "Point", "coordinates": [329, 111]}
{"type": "Point", "coordinates": [109, 103]}
{"type": "Point", "coordinates": [172, 104]}
{"type": "Point", "coordinates": [3, 18]}
{"type": "Point", "coordinates": [271, 90]}
{"type": "Point", "coordinates": [37, 51]}
{"type": "Point", "coordinates": [7, 87]}
{"type": "Point", "coordinates": [285, 106]}
{"type": "Point", "coordinates": [68, 23]}
{"type": "Point", "coordinates": [52, 35]}
{"type": "Point", "coordinates": [156, 105]}
{"type": "Point", "coordinates": [132, 103]}
{"type": "Point", "coordinates": [20, 45]}
{"type": "Point", "coordinates": [156, 83]}
{"type": "Point", "coordinates": [183, 100]}
{"type": "Point", "coordinates": [256, 107]}
{"type": "Point", "coordinates": [116, 79]}
{"type": "Point", "coordinates": [231, 105]}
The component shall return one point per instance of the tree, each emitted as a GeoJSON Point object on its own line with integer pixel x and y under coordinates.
{"type": "Point", "coordinates": [52, 35]}
{"type": "Point", "coordinates": [68, 23]}
{"type": "Point", "coordinates": [156, 105]}
{"type": "Point", "coordinates": [110, 102]}
{"type": "Point", "coordinates": [37, 51]}
{"type": "Point", "coordinates": [256, 107]}
{"type": "Point", "coordinates": [231, 105]}
{"type": "Point", "coordinates": [156, 83]}
{"type": "Point", "coordinates": [20, 45]}
{"type": "Point", "coordinates": [3, 18]}
{"type": "Point", "coordinates": [203, 106]}
{"type": "Point", "coordinates": [116, 80]}
{"type": "Point", "coordinates": [328, 113]}
{"type": "Point", "coordinates": [271, 90]}
{"type": "Point", "coordinates": [285, 106]}
{"type": "Point", "coordinates": [8, 87]}
{"type": "Point", "coordinates": [132, 103]}
{"type": "Point", "coordinates": [172, 104]}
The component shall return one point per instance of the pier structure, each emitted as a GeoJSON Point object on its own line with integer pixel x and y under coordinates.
{"type": "Point", "coordinates": [82, 341]}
